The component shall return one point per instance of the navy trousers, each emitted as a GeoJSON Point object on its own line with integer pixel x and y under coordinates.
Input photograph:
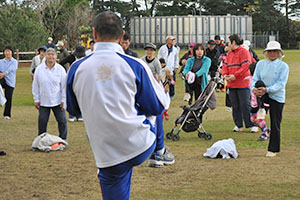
{"type": "Point", "coordinates": [241, 107]}
{"type": "Point", "coordinates": [60, 116]}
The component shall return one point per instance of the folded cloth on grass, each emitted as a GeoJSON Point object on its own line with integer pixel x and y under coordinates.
{"type": "Point", "coordinates": [47, 142]}
{"type": "Point", "coordinates": [222, 149]}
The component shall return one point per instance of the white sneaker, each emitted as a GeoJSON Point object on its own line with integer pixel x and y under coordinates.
{"type": "Point", "coordinates": [72, 119]}
{"type": "Point", "coordinates": [271, 154]}
{"type": "Point", "coordinates": [6, 117]}
{"type": "Point", "coordinates": [254, 129]}
{"type": "Point", "coordinates": [80, 119]}
{"type": "Point", "coordinates": [261, 114]}
{"type": "Point", "coordinates": [237, 129]}
{"type": "Point", "coordinates": [228, 109]}
{"type": "Point", "coordinates": [186, 97]}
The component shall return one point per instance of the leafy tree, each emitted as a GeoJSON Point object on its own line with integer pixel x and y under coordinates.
{"type": "Point", "coordinates": [20, 28]}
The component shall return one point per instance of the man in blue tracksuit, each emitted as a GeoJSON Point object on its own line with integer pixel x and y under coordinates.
{"type": "Point", "coordinates": [119, 100]}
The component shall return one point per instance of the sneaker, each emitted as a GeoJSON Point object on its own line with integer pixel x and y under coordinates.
{"type": "Point", "coordinates": [157, 160]}
{"type": "Point", "coordinates": [186, 97]}
{"type": "Point", "coordinates": [263, 137]}
{"type": "Point", "coordinates": [254, 129]}
{"type": "Point", "coordinates": [154, 162]}
{"type": "Point", "coordinates": [271, 154]}
{"type": "Point", "coordinates": [6, 117]}
{"type": "Point", "coordinates": [237, 129]}
{"type": "Point", "coordinates": [72, 119]}
{"type": "Point", "coordinates": [80, 119]}
{"type": "Point", "coordinates": [2, 153]}
{"type": "Point", "coordinates": [228, 109]}
{"type": "Point", "coordinates": [261, 114]}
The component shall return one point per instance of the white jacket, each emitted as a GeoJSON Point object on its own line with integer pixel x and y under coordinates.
{"type": "Point", "coordinates": [119, 99]}
{"type": "Point", "coordinates": [172, 59]}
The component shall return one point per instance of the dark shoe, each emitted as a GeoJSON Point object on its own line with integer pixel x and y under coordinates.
{"type": "Point", "coordinates": [2, 153]}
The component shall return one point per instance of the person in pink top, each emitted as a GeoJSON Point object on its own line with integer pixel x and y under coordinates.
{"type": "Point", "coordinates": [256, 105]}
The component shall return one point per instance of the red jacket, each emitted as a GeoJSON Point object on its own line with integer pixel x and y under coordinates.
{"type": "Point", "coordinates": [237, 64]}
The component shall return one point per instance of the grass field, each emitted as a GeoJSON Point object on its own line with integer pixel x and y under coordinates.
{"type": "Point", "coordinates": [71, 174]}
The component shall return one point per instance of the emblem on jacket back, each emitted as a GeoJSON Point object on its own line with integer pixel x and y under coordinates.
{"type": "Point", "coordinates": [104, 73]}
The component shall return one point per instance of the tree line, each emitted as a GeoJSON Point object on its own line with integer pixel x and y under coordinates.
{"type": "Point", "coordinates": [27, 24]}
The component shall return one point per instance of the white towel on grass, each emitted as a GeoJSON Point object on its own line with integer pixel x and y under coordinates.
{"type": "Point", "coordinates": [225, 147]}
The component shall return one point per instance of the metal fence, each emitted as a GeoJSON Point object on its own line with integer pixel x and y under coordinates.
{"type": "Point", "coordinates": [261, 40]}
{"type": "Point", "coordinates": [187, 29]}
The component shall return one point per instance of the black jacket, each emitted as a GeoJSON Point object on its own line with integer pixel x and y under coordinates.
{"type": "Point", "coordinates": [214, 56]}
{"type": "Point", "coordinates": [131, 53]}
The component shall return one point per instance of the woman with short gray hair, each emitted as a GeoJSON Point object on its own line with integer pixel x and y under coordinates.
{"type": "Point", "coordinates": [49, 93]}
{"type": "Point", "coordinates": [273, 72]}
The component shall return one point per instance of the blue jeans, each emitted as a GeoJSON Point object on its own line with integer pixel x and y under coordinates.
{"type": "Point", "coordinates": [60, 117]}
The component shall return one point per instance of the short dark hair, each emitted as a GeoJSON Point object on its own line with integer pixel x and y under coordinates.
{"type": "Point", "coordinates": [92, 42]}
{"type": "Point", "coordinates": [217, 37]}
{"type": "Point", "coordinates": [197, 46]}
{"type": "Point", "coordinates": [236, 38]}
{"type": "Point", "coordinates": [162, 60]}
{"type": "Point", "coordinates": [126, 37]}
{"type": "Point", "coordinates": [9, 48]}
{"type": "Point", "coordinates": [108, 25]}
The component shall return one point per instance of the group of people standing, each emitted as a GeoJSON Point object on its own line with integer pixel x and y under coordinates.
{"type": "Point", "coordinates": [122, 98]}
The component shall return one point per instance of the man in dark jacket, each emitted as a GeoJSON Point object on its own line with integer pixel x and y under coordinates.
{"type": "Point", "coordinates": [213, 53]}
{"type": "Point", "coordinates": [219, 45]}
{"type": "Point", "coordinates": [125, 43]}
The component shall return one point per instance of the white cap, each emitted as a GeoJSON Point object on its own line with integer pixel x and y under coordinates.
{"type": "Point", "coordinates": [50, 38]}
{"type": "Point", "coordinates": [60, 43]}
{"type": "Point", "coordinates": [170, 37]}
{"type": "Point", "coordinates": [274, 45]}
{"type": "Point", "coordinates": [247, 43]}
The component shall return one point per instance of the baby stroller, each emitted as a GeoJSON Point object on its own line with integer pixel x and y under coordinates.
{"type": "Point", "coordinates": [191, 117]}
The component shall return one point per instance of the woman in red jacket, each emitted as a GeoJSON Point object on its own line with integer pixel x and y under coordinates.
{"type": "Point", "coordinates": [235, 70]}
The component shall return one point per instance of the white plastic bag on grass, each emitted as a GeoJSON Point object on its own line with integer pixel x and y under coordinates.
{"type": "Point", "coordinates": [224, 148]}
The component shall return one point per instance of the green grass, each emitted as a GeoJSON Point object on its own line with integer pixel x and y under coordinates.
{"type": "Point", "coordinates": [71, 174]}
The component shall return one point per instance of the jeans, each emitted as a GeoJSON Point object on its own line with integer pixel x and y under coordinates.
{"type": "Point", "coordinates": [60, 117]}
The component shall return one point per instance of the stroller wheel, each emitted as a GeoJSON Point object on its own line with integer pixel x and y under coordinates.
{"type": "Point", "coordinates": [176, 137]}
{"type": "Point", "coordinates": [208, 136]}
{"type": "Point", "coordinates": [169, 135]}
{"type": "Point", "coordinates": [201, 134]}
